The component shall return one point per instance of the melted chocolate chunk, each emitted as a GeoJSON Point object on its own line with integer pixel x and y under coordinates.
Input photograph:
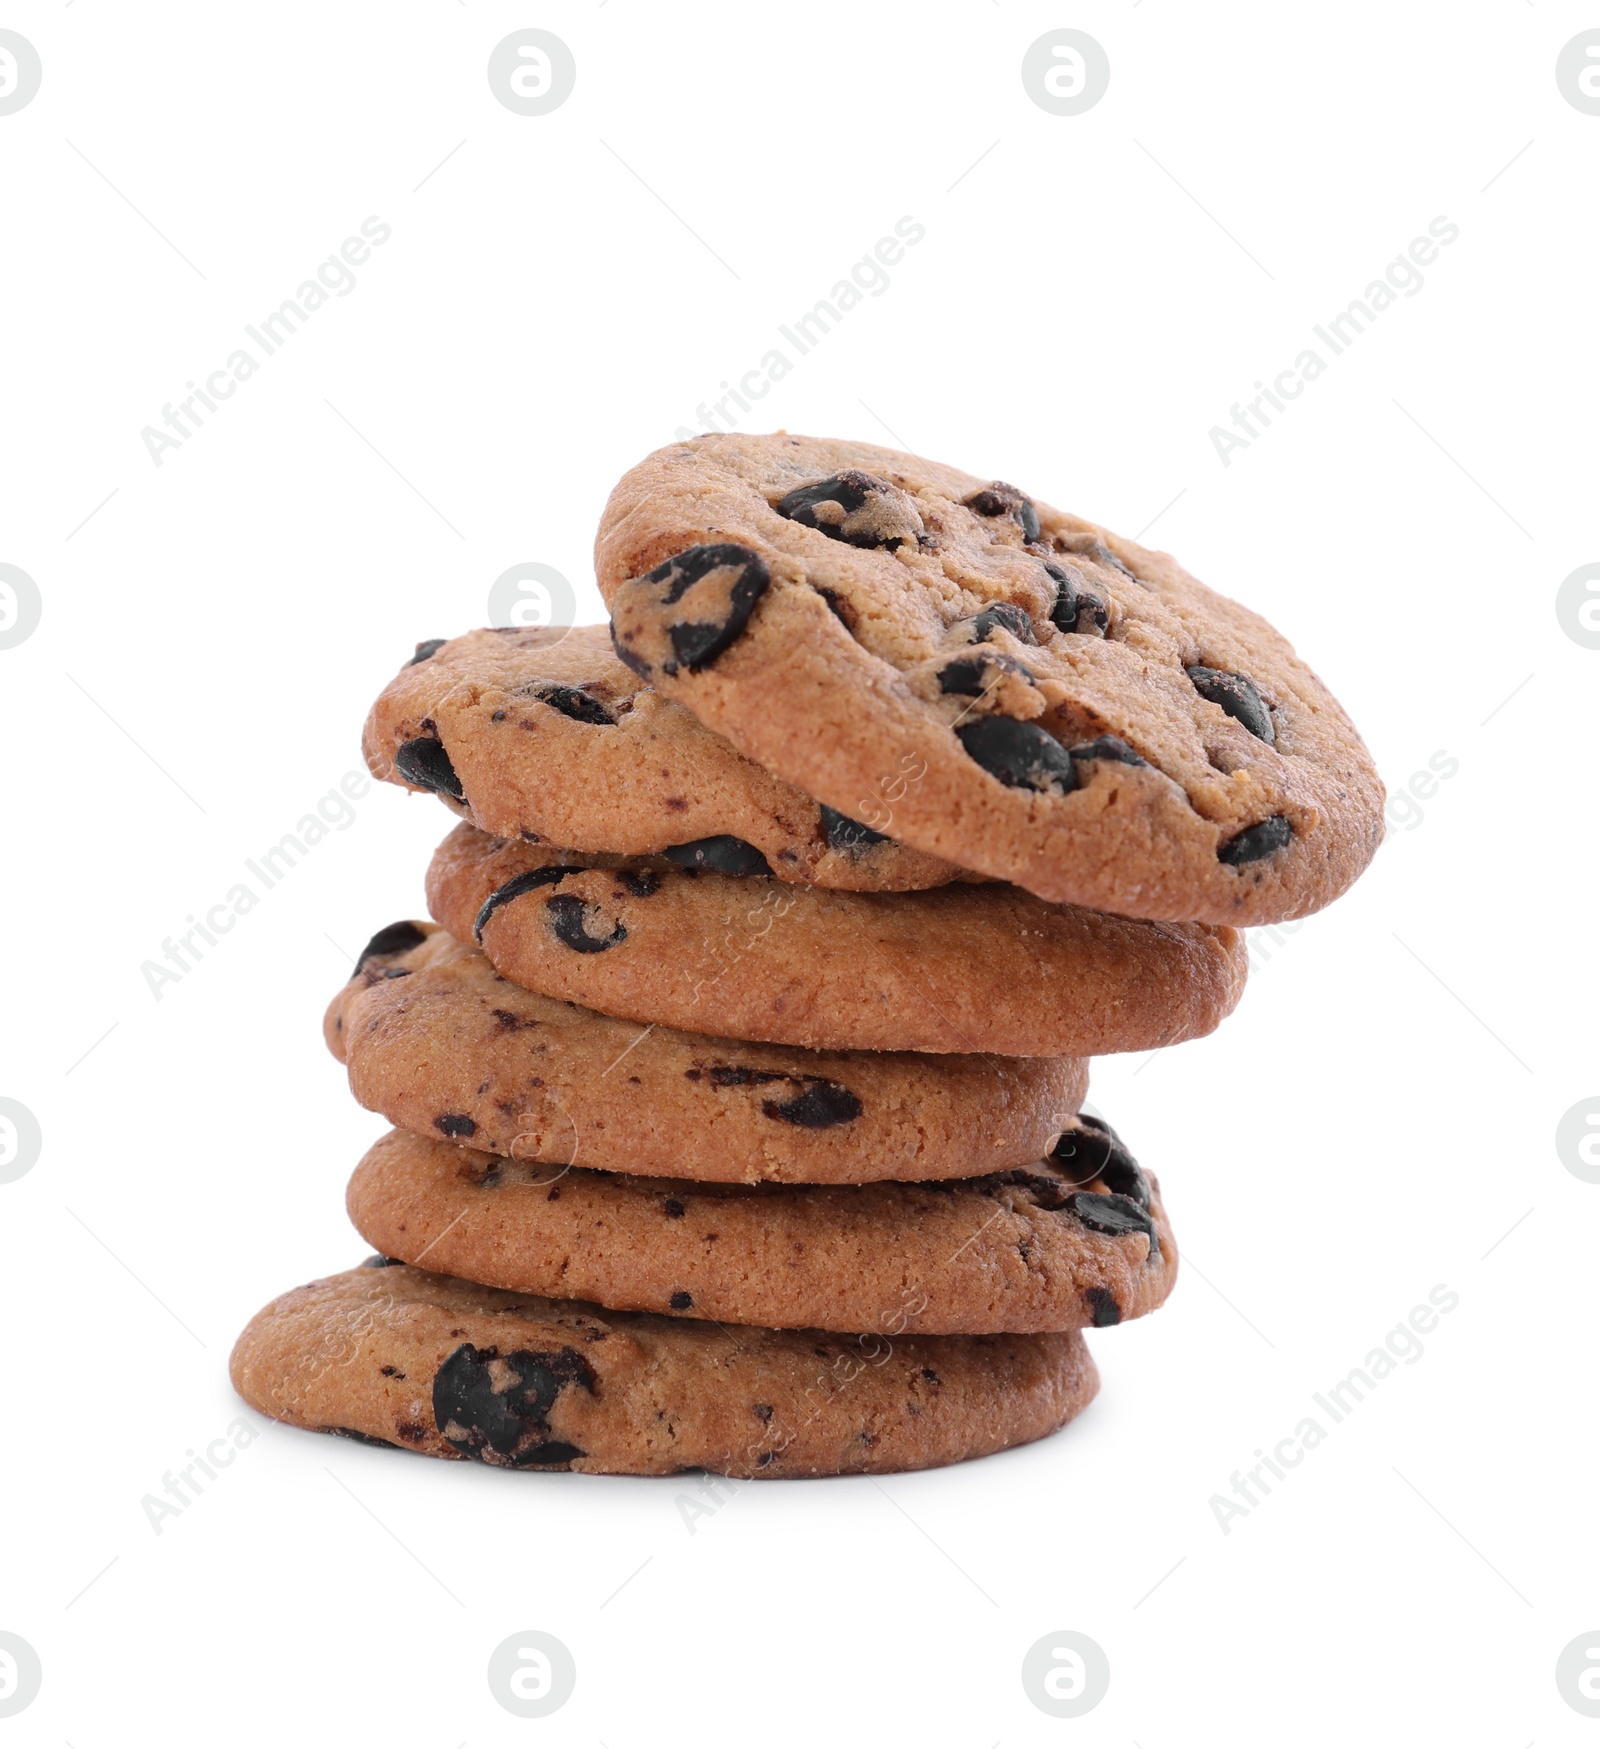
{"type": "Point", "coordinates": [1103, 1306]}
{"type": "Point", "coordinates": [1004, 613]}
{"type": "Point", "coordinates": [643, 883]}
{"type": "Point", "coordinates": [514, 888]}
{"type": "Point", "coordinates": [376, 1261]}
{"type": "Point", "coordinates": [821, 1106]}
{"type": "Point", "coordinates": [456, 1124]}
{"type": "Point", "coordinates": [673, 1209]}
{"type": "Point", "coordinates": [497, 1408]}
{"type": "Point", "coordinates": [681, 1301]}
{"type": "Point", "coordinates": [362, 1438]}
{"type": "Point", "coordinates": [1064, 611]}
{"type": "Point", "coordinates": [855, 507]}
{"type": "Point", "coordinates": [393, 938]}
{"type": "Point", "coordinates": [847, 835]}
{"type": "Point", "coordinates": [1107, 747]}
{"type": "Point", "coordinates": [1090, 546]}
{"type": "Point", "coordinates": [722, 583]}
{"type": "Point", "coordinates": [1114, 1215]}
{"type": "Point", "coordinates": [1020, 754]}
{"type": "Point", "coordinates": [1256, 841]}
{"type": "Point", "coordinates": [999, 499]}
{"type": "Point", "coordinates": [428, 647]}
{"type": "Point", "coordinates": [723, 854]}
{"type": "Point", "coordinates": [1237, 695]}
{"type": "Point", "coordinates": [570, 917]}
{"type": "Point", "coordinates": [425, 765]}
{"type": "Point", "coordinates": [574, 702]}
{"type": "Point", "coordinates": [1096, 1151]}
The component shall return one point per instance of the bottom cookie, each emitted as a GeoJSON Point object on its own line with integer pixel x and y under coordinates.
{"type": "Point", "coordinates": [393, 1355]}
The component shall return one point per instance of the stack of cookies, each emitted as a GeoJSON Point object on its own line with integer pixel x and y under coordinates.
{"type": "Point", "coordinates": [736, 1079]}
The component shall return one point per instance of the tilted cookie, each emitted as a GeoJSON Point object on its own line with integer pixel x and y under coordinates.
{"type": "Point", "coordinates": [541, 733]}
{"type": "Point", "coordinates": [956, 968]}
{"type": "Point", "coordinates": [988, 679]}
{"type": "Point", "coordinates": [1074, 1240]}
{"type": "Point", "coordinates": [399, 1356]}
{"type": "Point", "coordinates": [435, 1039]}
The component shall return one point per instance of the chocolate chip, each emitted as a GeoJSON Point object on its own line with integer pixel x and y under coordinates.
{"type": "Point", "coordinates": [847, 835]}
{"type": "Point", "coordinates": [514, 888]}
{"type": "Point", "coordinates": [723, 854]}
{"type": "Point", "coordinates": [455, 1123]}
{"type": "Point", "coordinates": [1064, 611]}
{"type": "Point", "coordinates": [1237, 695]}
{"type": "Point", "coordinates": [963, 676]}
{"type": "Point", "coordinates": [820, 1107]}
{"type": "Point", "coordinates": [1094, 617]}
{"type": "Point", "coordinates": [362, 1438]}
{"type": "Point", "coordinates": [680, 1301]}
{"type": "Point", "coordinates": [643, 883]}
{"type": "Point", "coordinates": [1004, 613]}
{"type": "Point", "coordinates": [841, 609]}
{"type": "Point", "coordinates": [375, 1261]}
{"type": "Point", "coordinates": [1090, 546]}
{"type": "Point", "coordinates": [570, 917]}
{"type": "Point", "coordinates": [427, 648]}
{"type": "Point", "coordinates": [1107, 747]}
{"type": "Point", "coordinates": [673, 1209]}
{"type": "Point", "coordinates": [424, 764]}
{"type": "Point", "coordinates": [1256, 841]}
{"type": "Point", "coordinates": [1113, 1215]}
{"type": "Point", "coordinates": [736, 1075]}
{"type": "Point", "coordinates": [1096, 1151]}
{"type": "Point", "coordinates": [393, 938]}
{"type": "Point", "coordinates": [726, 580]}
{"type": "Point", "coordinates": [976, 673]}
{"type": "Point", "coordinates": [999, 499]}
{"type": "Point", "coordinates": [761, 1411]}
{"type": "Point", "coordinates": [1020, 754]}
{"type": "Point", "coordinates": [1103, 1306]}
{"type": "Point", "coordinates": [496, 1408]}
{"type": "Point", "coordinates": [855, 507]}
{"type": "Point", "coordinates": [574, 702]}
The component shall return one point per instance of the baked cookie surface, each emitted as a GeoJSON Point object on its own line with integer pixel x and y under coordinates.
{"type": "Point", "coordinates": [399, 1356]}
{"type": "Point", "coordinates": [962, 967]}
{"type": "Point", "coordinates": [442, 1045]}
{"type": "Point", "coordinates": [1079, 1239]}
{"type": "Point", "coordinates": [993, 681]}
{"type": "Point", "coordinates": [542, 733]}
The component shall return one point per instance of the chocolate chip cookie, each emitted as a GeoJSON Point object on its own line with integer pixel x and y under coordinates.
{"type": "Point", "coordinates": [398, 1356]}
{"type": "Point", "coordinates": [1077, 1239]}
{"type": "Point", "coordinates": [955, 664]}
{"type": "Point", "coordinates": [435, 1039]}
{"type": "Point", "coordinates": [542, 734]}
{"type": "Point", "coordinates": [955, 968]}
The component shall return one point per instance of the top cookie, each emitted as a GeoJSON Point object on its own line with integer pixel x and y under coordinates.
{"type": "Point", "coordinates": [541, 734]}
{"type": "Point", "coordinates": [987, 679]}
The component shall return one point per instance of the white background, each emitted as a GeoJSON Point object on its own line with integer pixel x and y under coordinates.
{"type": "Point", "coordinates": [558, 295]}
